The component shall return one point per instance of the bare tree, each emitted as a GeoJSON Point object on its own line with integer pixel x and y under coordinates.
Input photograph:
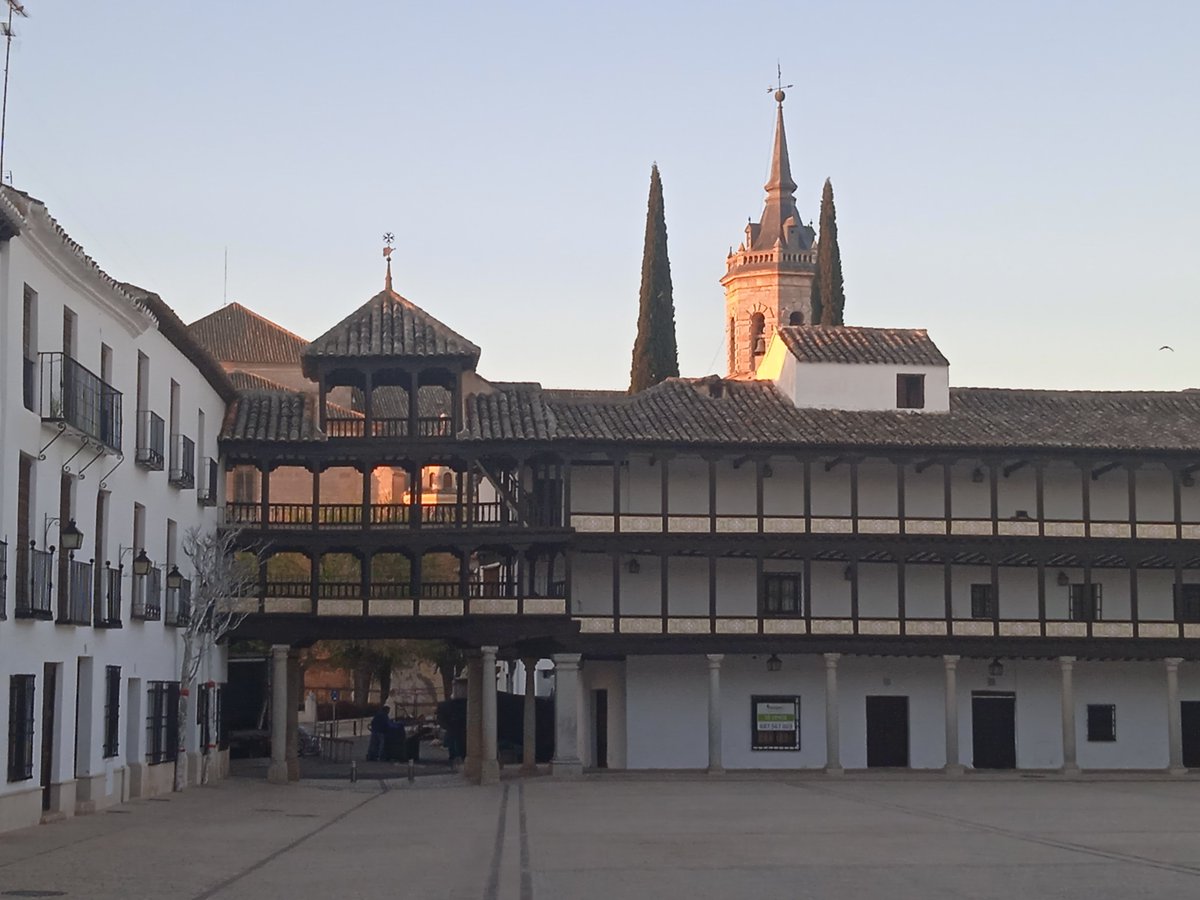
{"type": "Point", "coordinates": [223, 573]}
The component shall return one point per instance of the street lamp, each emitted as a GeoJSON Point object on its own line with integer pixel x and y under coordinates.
{"type": "Point", "coordinates": [774, 663]}
{"type": "Point", "coordinates": [141, 563]}
{"type": "Point", "coordinates": [996, 668]}
{"type": "Point", "coordinates": [174, 579]}
{"type": "Point", "coordinates": [70, 538]}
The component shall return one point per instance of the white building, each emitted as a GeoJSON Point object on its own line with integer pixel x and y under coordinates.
{"type": "Point", "coordinates": [109, 416]}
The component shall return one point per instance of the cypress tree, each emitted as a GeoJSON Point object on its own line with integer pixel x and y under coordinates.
{"type": "Point", "coordinates": [655, 354]}
{"type": "Point", "coordinates": [829, 297]}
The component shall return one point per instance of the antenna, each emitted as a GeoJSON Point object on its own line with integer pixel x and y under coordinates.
{"type": "Point", "coordinates": [779, 85]}
{"type": "Point", "coordinates": [6, 29]}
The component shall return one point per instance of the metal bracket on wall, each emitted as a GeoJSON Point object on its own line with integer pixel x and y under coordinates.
{"type": "Point", "coordinates": [104, 480]}
{"type": "Point", "coordinates": [66, 467]}
{"type": "Point", "coordinates": [99, 453]}
{"type": "Point", "coordinates": [62, 427]}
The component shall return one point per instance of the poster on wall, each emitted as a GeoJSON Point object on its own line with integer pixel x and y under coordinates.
{"type": "Point", "coordinates": [776, 723]}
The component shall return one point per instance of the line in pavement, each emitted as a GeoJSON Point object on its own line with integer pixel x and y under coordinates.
{"type": "Point", "coordinates": [526, 872]}
{"type": "Point", "coordinates": [491, 891]}
{"type": "Point", "coordinates": [1027, 837]}
{"type": "Point", "coordinates": [233, 879]}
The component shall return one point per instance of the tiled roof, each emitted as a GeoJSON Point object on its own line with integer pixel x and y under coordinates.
{"type": "Point", "coordinates": [712, 411]}
{"type": "Point", "coordinates": [275, 416]}
{"type": "Point", "coordinates": [235, 334]}
{"type": "Point", "coordinates": [387, 325]}
{"type": "Point", "coordinates": [846, 344]}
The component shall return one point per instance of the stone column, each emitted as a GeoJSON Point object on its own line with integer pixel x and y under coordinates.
{"type": "Point", "coordinates": [293, 715]}
{"type": "Point", "coordinates": [953, 764]}
{"type": "Point", "coordinates": [1174, 726]}
{"type": "Point", "coordinates": [714, 713]}
{"type": "Point", "coordinates": [1067, 664]}
{"type": "Point", "coordinates": [474, 715]}
{"type": "Point", "coordinates": [833, 742]}
{"type": "Point", "coordinates": [277, 771]}
{"type": "Point", "coordinates": [489, 769]}
{"type": "Point", "coordinates": [529, 738]}
{"type": "Point", "coordinates": [566, 715]}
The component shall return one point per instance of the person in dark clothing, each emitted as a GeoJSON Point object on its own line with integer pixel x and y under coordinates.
{"type": "Point", "coordinates": [380, 723]}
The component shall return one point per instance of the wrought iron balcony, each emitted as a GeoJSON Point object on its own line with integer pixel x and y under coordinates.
{"type": "Point", "coordinates": [151, 440]}
{"type": "Point", "coordinates": [3, 580]}
{"type": "Point", "coordinates": [108, 603]}
{"type": "Point", "coordinates": [76, 604]}
{"type": "Point", "coordinates": [206, 491]}
{"type": "Point", "coordinates": [75, 397]}
{"type": "Point", "coordinates": [183, 462]}
{"type": "Point", "coordinates": [147, 595]}
{"type": "Point", "coordinates": [34, 580]}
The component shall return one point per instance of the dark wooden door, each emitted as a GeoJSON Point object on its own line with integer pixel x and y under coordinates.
{"type": "Point", "coordinates": [600, 727]}
{"type": "Point", "coordinates": [1189, 715]}
{"type": "Point", "coordinates": [994, 730]}
{"type": "Point", "coordinates": [49, 695]}
{"type": "Point", "coordinates": [887, 732]}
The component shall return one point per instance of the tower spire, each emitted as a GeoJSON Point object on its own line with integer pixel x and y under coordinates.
{"type": "Point", "coordinates": [388, 239]}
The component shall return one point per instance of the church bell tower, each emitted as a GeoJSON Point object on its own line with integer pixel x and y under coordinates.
{"type": "Point", "coordinates": [768, 280]}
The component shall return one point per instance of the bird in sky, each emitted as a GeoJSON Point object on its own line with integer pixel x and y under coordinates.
{"type": "Point", "coordinates": [1167, 347]}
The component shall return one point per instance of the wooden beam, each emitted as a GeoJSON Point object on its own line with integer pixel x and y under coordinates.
{"type": "Point", "coordinates": [1100, 471]}
{"type": "Point", "coordinates": [1013, 467]}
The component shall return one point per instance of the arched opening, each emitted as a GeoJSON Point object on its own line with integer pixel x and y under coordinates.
{"type": "Point", "coordinates": [391, 576]}
{"type": "Point", "coordinates": [732, 343]}
{"type": "Point", "coordinates": [758, 343]}
{"type": "Point", "coordinates": [796, 317]}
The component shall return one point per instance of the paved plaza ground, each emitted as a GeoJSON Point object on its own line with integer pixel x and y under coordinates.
{"type": "Point", "coordinates": [620, 836]}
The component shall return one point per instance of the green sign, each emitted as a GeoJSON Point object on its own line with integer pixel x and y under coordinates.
{"type": "Point", "coordinates": [773, 715]}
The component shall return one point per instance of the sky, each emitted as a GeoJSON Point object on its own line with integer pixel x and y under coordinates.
{"type": "Point", "coordinates": [1021, 179]}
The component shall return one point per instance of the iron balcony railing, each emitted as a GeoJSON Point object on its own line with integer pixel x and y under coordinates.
{"type": "Point", "coordinates": [108, 603]}
{"type": "Point", "coordinates": [147, 595]}
{"type": "Point", "coordinates": [35, 580]}
{"type": "Point", "coordinates": [77, 602]}
{"type": "Point", "coordinates": [183, 462]}
{"type": "Point", "coordinates": [179, 605]}
{"type": "Point", "coordinates": [151, 440]}
{"type": "Point", "coordinates": [76, 397]}
{"type": "Point", "coordinates": [206, 491]}
{"type": "Point", "coordinates": [3, 580]}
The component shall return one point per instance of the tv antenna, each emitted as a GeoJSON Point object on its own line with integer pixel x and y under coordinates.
{"type": "Point", "coordinates": [15, 8]}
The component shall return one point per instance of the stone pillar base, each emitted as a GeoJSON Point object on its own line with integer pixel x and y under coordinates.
{"type": "Point", "coordinates": [835, 770]}
{"type": "Point", "coordinates": [1176, 770]}
{"type": "Point", "coordinates": [528, 769]}
{"type": "Point", "coordinates": [566, 767]}
{"type": "Point", "coordinates": [715, 770]}
{"type": "Point", "coordinates": [954, 769]}
{"type": "Point", "coordinates": [489, 772]}
{"type": "Point", "coordinates": [1069, 771]}
{"type": "Point", "coordinates": [277, 773]}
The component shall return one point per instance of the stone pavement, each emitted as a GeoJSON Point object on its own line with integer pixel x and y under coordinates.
{"type": "Point", "coordinates": [612, 836]}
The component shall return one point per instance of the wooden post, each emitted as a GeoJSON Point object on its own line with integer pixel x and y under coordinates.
{"type": "Point", "coordinates": [900, 496]}
{"type": "Point", "coordinates": [1039, 486]}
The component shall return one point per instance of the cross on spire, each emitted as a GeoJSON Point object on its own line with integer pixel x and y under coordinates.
{"type": "Point", "coordinates": [388, 240]}
{"type": "Point", "coordinates": [779, 85]}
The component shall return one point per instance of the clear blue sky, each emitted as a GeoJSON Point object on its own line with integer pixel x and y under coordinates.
{"type": "Point", "coordinates": [1022, 179]}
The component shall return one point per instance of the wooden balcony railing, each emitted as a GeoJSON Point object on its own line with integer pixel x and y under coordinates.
{"type": "Point", "coordinates": [702, 523]}
{"type": "Point", "coordinates": [356, 427]}
{"type": "Point", "coordinates": [350, 515]}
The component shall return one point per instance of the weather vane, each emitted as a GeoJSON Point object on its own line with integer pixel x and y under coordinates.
{"type": "Point", "coordinates": [779, 85]}
{"type": "Point", "coordinates": [388, 240]}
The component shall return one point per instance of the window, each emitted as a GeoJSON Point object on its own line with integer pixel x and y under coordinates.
{"type": "Point", "coordinates": [781, 594]}
{"type": "Point", "coordinates": [982, 601]}
{"type": "Point", "coordinates": [796, 318]}
{"type": "Point", "coordinates": [910, 392]}
{"type": "Point", "coordinates": [29, 346]}
{"type": "Point", "coordinates": [1085, 602]}
{"type": "Point", "coordinates": [162, 723]}
{"type": "Point", "coordinates": [448, 481]}
{"type": "Point", "coordinates": [1187, 603]}
{"type": "Point", "coordinates": [1101, 722]}
{"type": "Point", "coordinates": [112, 710]}
{"type": "Point", "coordinates": [775, 723]}
{"type": "Point", "coordinates": [208, 717]}
{"type": "Point", "coordinates": [20, 727]}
